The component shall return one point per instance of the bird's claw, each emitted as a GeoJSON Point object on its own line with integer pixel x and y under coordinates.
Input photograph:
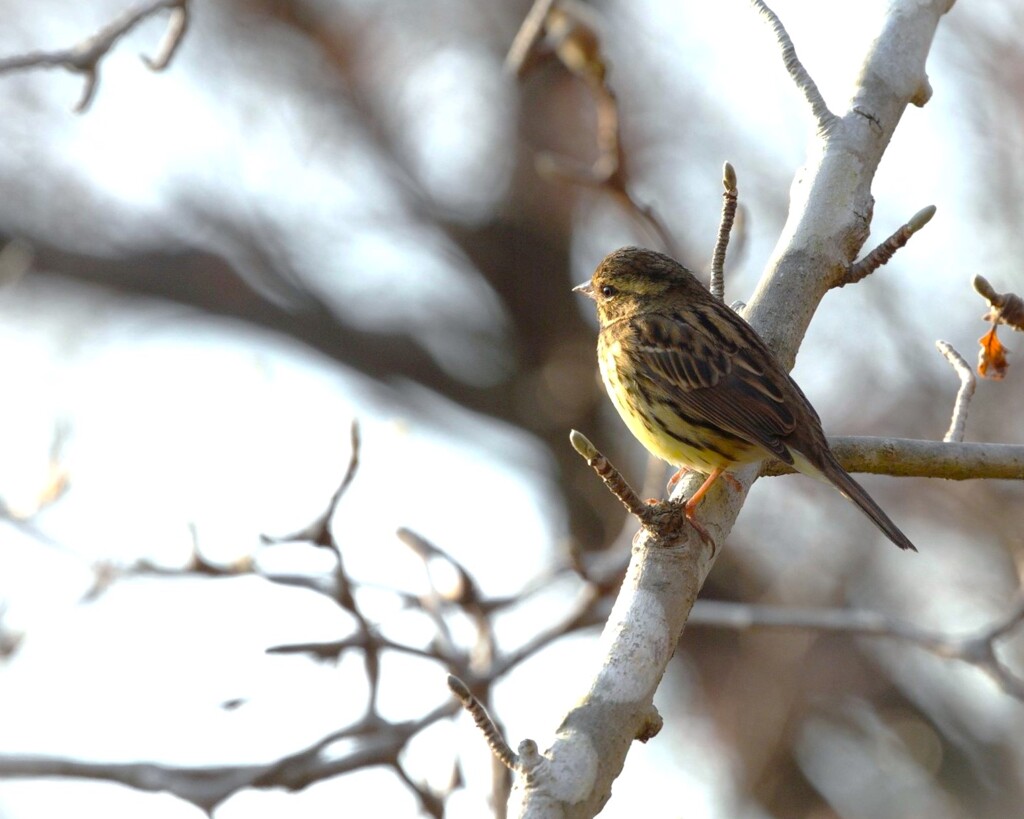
{"type": "Point", "coordinates": [676, 477]}
{"type": "Point", "coordinates": [733, 481]}
{"type": "Point", "coordinates": [704, 534]}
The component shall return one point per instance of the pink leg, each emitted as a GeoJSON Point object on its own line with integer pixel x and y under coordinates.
{"type": "Point", "coordinates": [695, 498]}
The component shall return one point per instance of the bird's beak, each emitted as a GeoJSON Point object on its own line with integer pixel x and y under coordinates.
{"type": "Point", "coordinates": [587, 289]}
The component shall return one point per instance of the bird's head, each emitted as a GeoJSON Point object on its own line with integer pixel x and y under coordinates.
{"type": "Point", "coordinates": [632, 280]}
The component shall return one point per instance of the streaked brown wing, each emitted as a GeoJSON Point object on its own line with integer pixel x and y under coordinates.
{"type": "Point", "coordinates": [717, 370]}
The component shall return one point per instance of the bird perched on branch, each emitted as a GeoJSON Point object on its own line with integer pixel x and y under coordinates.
{"type": "Point", "coordinates": [696, 384]}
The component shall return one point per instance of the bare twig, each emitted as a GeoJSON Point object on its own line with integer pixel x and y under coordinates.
{"type": "Point", "coordinates": [578, 48]}
{"type": "Point", "coordinates": [584, 614]}
{"type": "Point", "coordinates": [85, 57]}
{"type": "Point", "coordinates": [362, 641]}
{"type": "Point", "coordinates": [729, 199]}
{"type": "Point", "coordinates": [977, 650]}
{"type": "Point", "coordinates": [207, 786]}
{"type": "Point", "coordinates": [381, 742]}
{"type": "Point", "coordinates": [318, 531]}
{"type": "Point", "coordinates": [664, 521]}
{"type": "Point", "coordinates": [885, 251]}
{"type": "Point", "coordinates": [465, 592]}
{"type": "Point", "coordinates": [608, 171]}
{"type": "Point", "coordinates": [528, 36]}
{"type": "Point", "coordinates": [1004, 308]}
{"type": "Point", "coordinates": [430, 803]}
{"type": "Point", "coordinates": [465, 596]}
{"type": "Point", "coordinates": [319, 534]}
{"type": "Point", "coordinates": [825, 119]}
{"type": "Point", "coordinates": [968, 382]}
{"type": "Point", "coordinates": [177, 25]}
{"type": "Point", "coordinates": [911, 458]}
{"type": "Point", "coordinates": [483, 721]}
{"type": "Point", "coordinates": [612, 477]}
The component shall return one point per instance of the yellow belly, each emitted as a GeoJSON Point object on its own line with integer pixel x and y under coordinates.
{"type": "Point", "coordinates": [663, 431]}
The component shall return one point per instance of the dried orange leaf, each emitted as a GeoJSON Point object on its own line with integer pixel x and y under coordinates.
{"type": "Point", "coordinates": [992, 361]}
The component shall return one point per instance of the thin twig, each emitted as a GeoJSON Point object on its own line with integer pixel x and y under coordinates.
{"type": "Point", "coordinates": [585, 613]}
{"type": "Point", "coordinates": [502, 750]}
{"type": "Point", "coordinates": [207, 786]}
{"type": "Point", "coordinates": [977, 649]}
{"type": "Point", "coordinates": [431, 804]}
{"type": "Point", "coordinates": [1004, 308]}
{"type": "Point", "coordinates": [608, 171]}
{"type": "Point", "coordinates": [665, 521]}
{"type": "Point", "coordinates": [465, 596]}
{"type": "Point", "coordinates": [85, 57]}
{"type": "Point", "coordinates": [729, 200]}
{"type": "Point", "coordinates": [177, 25]}
{"type": "Point", "coordinates": [466, 593]}
{"type": "Point", "coordinates": [318, 531]}
{"type": "Point", "coordinates": [577, 46]}
{"type": "Point", "coordinates": [334, 649]}
{"type": "Point", "coordinates": [887, 249]}
{"type": "Point", "coordinates": [958, 422]}
{"type": "Point", "coordinates": [527, 37]}
{"type": "Point", "coordinates": [823, 116]}
{"type": "Point", "coordinates": [647, 218]}
{"type": "Point", "coordinates": [612, 477]}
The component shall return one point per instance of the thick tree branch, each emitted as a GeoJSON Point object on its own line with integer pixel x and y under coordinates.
{"type": "Point", "coordinates": [910, 458]}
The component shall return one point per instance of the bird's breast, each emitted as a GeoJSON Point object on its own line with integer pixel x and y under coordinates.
{"type": "Point", "coordinates": [657, 422]}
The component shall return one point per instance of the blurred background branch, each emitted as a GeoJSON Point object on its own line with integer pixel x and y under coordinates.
{"type": "Point", "coordinates": [85, 57]}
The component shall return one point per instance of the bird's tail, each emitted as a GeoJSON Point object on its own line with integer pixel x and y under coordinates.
{"type": "Point", "coordinates": [844, 482]}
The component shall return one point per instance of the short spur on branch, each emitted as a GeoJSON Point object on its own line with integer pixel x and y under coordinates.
{"type": "Point", "coordinates": [696, 384]}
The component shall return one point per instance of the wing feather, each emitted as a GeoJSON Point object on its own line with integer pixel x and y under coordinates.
{"type": "Point", "coordinates": [718, 373]}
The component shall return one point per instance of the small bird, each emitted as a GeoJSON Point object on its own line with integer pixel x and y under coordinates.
{"type": "Point", "coordinates": [696, 384]}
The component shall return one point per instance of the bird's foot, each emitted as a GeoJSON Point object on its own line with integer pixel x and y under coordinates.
{"type": "Point", "coordinates": [680, 473]}
{"type": "Point", "coordinates": [667, 520]}
{"type": "Point", "coordinates": [705, 536]}
{"type": "Point", "coordinates": [676, 477]}
{"type": "Point", "coordinates": [690, 510]}
{"type": "Point", "coordinates": [733, 481]}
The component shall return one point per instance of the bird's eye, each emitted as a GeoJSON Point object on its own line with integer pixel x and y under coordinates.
{"type": "Point", "coordinates": [608, 291]}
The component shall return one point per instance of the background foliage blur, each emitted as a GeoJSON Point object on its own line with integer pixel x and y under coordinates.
{"type": "Point", "coordinates": [327, 210]}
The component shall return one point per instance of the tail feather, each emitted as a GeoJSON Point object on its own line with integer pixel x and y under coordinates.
{"type": "Point", "coordinates": [831, 470]}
